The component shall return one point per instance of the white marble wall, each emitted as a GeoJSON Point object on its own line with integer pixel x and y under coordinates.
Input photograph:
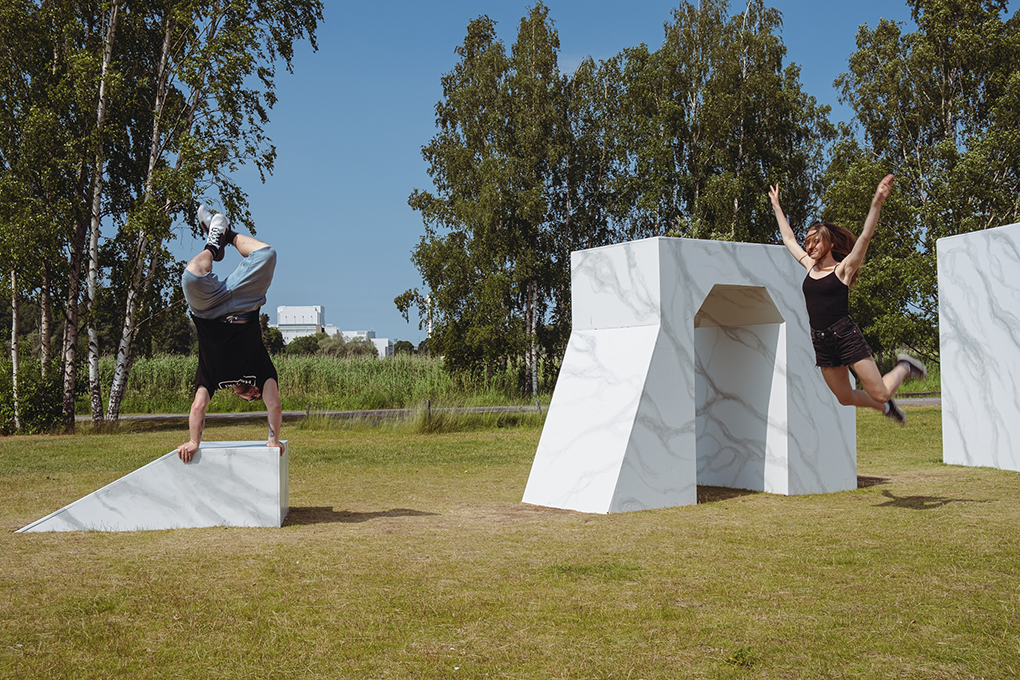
{"type": "Point", "coordinates": [689, 362]}
{"type": "Point", "coordinates": [238, 484]}
{"type": "Point", "coordinates": [979, 334]}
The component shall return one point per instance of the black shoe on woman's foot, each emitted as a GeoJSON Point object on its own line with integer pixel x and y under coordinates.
{"type": "Point", "coordinates": [895, 413]}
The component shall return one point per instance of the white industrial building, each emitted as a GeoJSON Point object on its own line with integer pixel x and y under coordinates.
{"type": "Point", "coordinates": [295, 322]}
{"type": "Point", "coordinates": [298, 321]}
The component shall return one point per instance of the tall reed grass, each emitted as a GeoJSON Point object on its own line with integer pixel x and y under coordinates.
{"type": "Point", "coordinates": [164, 384]}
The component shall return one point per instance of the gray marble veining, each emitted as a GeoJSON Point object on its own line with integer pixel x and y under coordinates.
{"type": "Point", "coordinates": [979, 337]}
{"type": "Point", "coordinates": [689, 362]}
{"type": "Point", "coordinates": [240, 484]}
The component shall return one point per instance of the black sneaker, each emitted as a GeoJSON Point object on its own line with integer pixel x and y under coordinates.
{"type": "Point", "coordinates": [917, 369]}
{"type": "Point", "coordinates": [895, 413]}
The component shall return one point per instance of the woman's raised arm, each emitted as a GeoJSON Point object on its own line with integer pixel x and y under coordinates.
{"type": "Point", "coordinates": [852, 262]}
{"type": "Point", "coordinates": [789, 238]}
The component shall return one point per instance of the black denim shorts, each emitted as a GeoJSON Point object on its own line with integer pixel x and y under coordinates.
{"type": "Point", "coordinates": [841, 344]}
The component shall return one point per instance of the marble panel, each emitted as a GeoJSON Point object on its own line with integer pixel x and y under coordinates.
{"type": "Point", "coordinates": [735, 373]}
{"type": "Point", "coordinates": [620, 287]}
{"type": "Point", "coordinates": [231, 483]}
{"type": "Point", "coordinates": [600, 387]}
{"type": "Point", "coordinates": [689, 362]}
{"type": "Point", "coordinates": [979, 337]}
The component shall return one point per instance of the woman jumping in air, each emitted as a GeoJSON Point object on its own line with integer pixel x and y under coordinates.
{"type": "Point", "coordinates": [833, 258]}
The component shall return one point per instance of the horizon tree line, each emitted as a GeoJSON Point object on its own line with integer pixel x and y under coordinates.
{"type": "Point", "coordinates": [529, 163]}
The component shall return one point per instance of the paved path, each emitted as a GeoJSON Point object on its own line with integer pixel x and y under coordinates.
{"type": "Point", "coordinates": [920, 401]}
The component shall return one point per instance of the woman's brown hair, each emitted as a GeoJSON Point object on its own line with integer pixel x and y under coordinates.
{"type": "Point", "coordinates": [840, 239]}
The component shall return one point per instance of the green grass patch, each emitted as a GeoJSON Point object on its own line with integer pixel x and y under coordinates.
{"type": "Point", "coordinates": [165, 384]}
{"type": "Point", "coordinates": [407, 554]}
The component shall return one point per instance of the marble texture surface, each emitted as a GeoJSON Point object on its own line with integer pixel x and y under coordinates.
{"type": "Point", "coordinates": [688, 362]}
{"type": "Point", "coordinates": [979, 337]}
{"type": "Point", "coordinates": [238, 484]}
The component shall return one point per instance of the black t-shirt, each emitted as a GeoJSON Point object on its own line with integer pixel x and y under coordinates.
{"type": "Point", "coordinates": [231, 354]}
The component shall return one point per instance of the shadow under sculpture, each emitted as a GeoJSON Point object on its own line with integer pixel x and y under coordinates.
{"type": "Point", "coordinates": [689, 362]}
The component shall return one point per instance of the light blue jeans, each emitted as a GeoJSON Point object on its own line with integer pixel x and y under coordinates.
{"type": "Point", "coordinates": [243, 291]}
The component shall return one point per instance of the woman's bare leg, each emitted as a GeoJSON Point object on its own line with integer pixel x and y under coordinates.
{"type": "Point", "coordinates": [880, 387]}
{"type": "Point", "coordinates": [838, 380]}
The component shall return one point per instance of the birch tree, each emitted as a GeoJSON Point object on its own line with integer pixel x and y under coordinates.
{"type": "Point", "coordinates": [98, 172]}
{"type": "Point", "coordinates": [538, 147]}
{"type": "Point", "coordinates": [214, 83]}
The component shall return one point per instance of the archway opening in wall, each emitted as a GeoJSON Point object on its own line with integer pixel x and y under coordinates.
{"type": "Point", "coordinates": [740, 388]}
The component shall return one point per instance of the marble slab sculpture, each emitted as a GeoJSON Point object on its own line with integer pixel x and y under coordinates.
{"type": "Point", "coordinates": [689, 362]}
{"type": "Point", "coordinates": [237, 484]}
{"type": "Point", "coordinates": [979, 338]}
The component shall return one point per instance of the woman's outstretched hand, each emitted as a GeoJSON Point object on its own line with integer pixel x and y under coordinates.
{"type": "Point", "coordinates": [883, 190]}
{"type": "Point", "coordinates": [774, 195]}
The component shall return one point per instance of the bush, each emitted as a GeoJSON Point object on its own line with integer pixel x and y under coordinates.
{"type": "Point", "coordinates": [336, 346]}
{"type": "Point", "coordinates": [40, 401]}
{"type": "Point", "coordinates": [306, 344]}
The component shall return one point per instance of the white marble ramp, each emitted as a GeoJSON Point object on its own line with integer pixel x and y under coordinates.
{"type": "Point", "coordinates": [979, 337]}
{"type": "Point", "coordinates": [689, 362]}
{"type": "Point", "coordinates": [237, 484]}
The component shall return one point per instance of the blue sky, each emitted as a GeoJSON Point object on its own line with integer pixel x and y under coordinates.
{"type": "Point", "coordinates": [352, 118]}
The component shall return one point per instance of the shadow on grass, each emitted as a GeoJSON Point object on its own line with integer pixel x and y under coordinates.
{"type": "Point", "coordinates": [714, 494]}
{"type": "Point", "coordinates": [866, 482]}
{"type": "Point", "coordinates": [325, 515]}
{"type": "Point", "coordinates": [921, 502]}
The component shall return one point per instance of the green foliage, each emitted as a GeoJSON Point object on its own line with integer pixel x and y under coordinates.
{"type": "Point", "coordinates": [357, 346]}
{"type": "Point", "coordinates": [271, 337]}
{"type": "Point", "coordinates": [127, 111]}
{"type": "Point", "coordinates": [306, 344]}
{"type": "Point", "coordinates": [162, 324]}
{"type": "Point", "coordinates": [938, 107]}
{"type": "Point", "coordinates": [39, 399]}
{"type": "Point", "coordinates": [704, 124]}
{"type": "Point", "coordinates": [403, 347]}
{"type": "Point", "coordinates": [529, 165]}
{"type": "Point", "coordinates": [744, 657]}
{"type": "Point", "coordinates": [403, 381]}
{"type": "Point", "coordinates": [486, 253]}
{"type": "Point", "coordinates": [332, 346]}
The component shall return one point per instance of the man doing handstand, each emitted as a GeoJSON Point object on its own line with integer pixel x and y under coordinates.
{"type": "Point", "coordinates": [226, 315]}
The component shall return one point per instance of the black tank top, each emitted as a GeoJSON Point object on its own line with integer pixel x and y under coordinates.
{"type": "Point", "coordinates": [828, 300]}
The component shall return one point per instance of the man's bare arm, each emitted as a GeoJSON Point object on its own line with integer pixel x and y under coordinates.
{"type": "Point", "coordinates": [196, 424]}
{"type": "Point", "coordinates": [274, 413]}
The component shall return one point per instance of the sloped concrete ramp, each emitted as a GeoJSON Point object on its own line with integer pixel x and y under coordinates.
{"type": "Point", "coordinates": [236, 484]}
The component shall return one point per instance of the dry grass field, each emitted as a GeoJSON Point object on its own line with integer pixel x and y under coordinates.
{"type": "Point", "coordinates": [409, 555]}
